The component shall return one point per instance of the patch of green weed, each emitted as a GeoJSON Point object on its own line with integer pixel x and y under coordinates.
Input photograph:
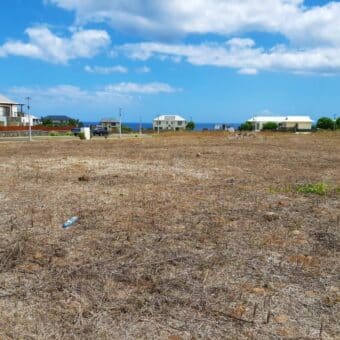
{"type": "Point", "coordinates": [313, 188]}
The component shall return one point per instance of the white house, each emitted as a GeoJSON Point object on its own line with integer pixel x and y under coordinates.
{"type": "Point", "coordinates": [10, 115]}
{"type": "Point", "coordinates": [8, 110]}
{"type": "Point", "coordinates": [25, 119]}
{"type": "Point", "coordinates": [169, 122]}
{"type": "Point", "coordinates": [294, 123]}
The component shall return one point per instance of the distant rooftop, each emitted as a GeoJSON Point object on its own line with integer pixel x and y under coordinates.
{"type": "Point", "coordinates": [110, 120]}
{"type": "Point", "coordinates": [57, 117]}
{"type": "Point", "coordinates": [5, 100]}
{"type": "Point", "coordinates": [280, 119]}
{"type": "Point", "coordinates": [169, 117]}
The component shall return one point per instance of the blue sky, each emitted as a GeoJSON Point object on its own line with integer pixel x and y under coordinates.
{"type": "Point", "coordinates": [217, 60]}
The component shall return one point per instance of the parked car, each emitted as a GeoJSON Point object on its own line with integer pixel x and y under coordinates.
{"type": "Point", "coordinates": [76, 131]}
{"type": "Point", "coordinates": [100, 131]}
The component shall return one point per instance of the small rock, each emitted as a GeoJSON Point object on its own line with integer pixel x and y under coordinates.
{"type": "Point", "coordinates": [38, 256]}
{"type": "Point", "coordinates": [198, 155]}
{"type": "Point", "coordinates": [259, 291]}
{"type": "Point", "coordinates": [59, 252]}
{"type": "Point", "coordinates": [84, 178]}
{"type": "Point", "coordinates": [283, 332]}
{"type": "Point", "coordinates": [281, 318]}
{"type": "Point", "coordinates": [271, 216]}
{"type": "Point", "coordinates": [333, 289]}
{"type": "Point", "coordinates": [310, 294]}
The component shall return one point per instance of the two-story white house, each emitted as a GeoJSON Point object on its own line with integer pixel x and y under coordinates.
{"type": "Point", "coordinates": [169, 122]}
{"type": "Point", "coordinates": [11, 115]}
{"type": "Point", "coordinates": [8, 110]}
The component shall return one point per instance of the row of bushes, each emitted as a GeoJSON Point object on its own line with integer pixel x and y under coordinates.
{"type": "Point", "coordinates": [71, 122]}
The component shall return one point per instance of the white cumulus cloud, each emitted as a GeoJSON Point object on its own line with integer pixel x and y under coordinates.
{"type": "Point", "coordinates": [43, 44]}
{"type": "Point", "coordinates": [248, 71]}
{"type": "Point", "coordinates": [241, 54]}
{"type": "Point", "coordinates": [149, 88]}
{"type": "Point", "coordinates": [309, 34]}
{"type": "Point", "coordinates": [143, 69]}
{"type": "Point", "coordinates": [106, 70]}
{"type": "Point", "coordinates": [292, 18]}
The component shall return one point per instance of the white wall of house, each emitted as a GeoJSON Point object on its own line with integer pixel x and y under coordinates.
{"type": "Point", "coordinates": [8, 110]}
{"type": "Point", "coordinates": [33, 119]}
{"type": "Point", "coordinates": [3, 121]}
{"type": "Point", "coordinates": [283, 122]}
{"type": "Point", "coordinates": [4, 111]}
{"type": "Point", "coordinates": [14, 111]}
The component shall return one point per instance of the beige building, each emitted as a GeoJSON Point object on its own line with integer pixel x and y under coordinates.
{"type": "Point", "coordinates": [289, 123]}
{"type": "Point", "coordinates": [169, 122]}
{"type": "Point", "coordinates": [110, 123]}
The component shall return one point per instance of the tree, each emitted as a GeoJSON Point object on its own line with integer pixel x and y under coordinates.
{"type": "Point", "coordinates": [46, 122]}
{"type": "Point", "coordinates": [325, 123]}
{"type": "Point", "coordinates": [247, 126]}
{"type": "Point", "coordinates": [72, 122]}
{"type": "Point", "coordinates": [191, 126]}
{"type": "Point", "coordinates": [338, 123]}
{"type": "Point", "coordinates": [270, 126]}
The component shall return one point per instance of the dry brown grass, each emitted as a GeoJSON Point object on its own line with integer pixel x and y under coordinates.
{"type": "Point", "coordinates": [180, 237]}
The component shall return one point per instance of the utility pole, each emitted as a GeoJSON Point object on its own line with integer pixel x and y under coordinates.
{"type": "Point", "coordinates": [120, 122]}
{"type": "Point", "coordinates": [29, 118]}
{"type": "Point", "coordinates": [140, 124]}
{"type": "Point", "coordinates": [158, 124]}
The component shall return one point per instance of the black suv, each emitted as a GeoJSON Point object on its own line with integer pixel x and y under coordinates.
{"type": "Point", "coordinates": [76, 131]}
{"type": "Point", "coordinates": [100, 131]}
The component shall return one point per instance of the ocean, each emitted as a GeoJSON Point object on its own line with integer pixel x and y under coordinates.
{"type": "Point", "coordinates": [198, 127]}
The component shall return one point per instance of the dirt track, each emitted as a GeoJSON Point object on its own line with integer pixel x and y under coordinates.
{"type": "Point", "coordinates": [194, 236]}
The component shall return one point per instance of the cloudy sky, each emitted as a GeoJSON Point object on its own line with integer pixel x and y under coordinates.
{"type": "Point", "coordinates": [216, 60]}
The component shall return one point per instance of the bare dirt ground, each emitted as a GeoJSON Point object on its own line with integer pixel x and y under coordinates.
{"type": "Point", "coordinates": [186, 237]}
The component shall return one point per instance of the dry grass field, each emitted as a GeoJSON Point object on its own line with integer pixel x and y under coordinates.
{"type": "Point", "coordinates": [197, 236]}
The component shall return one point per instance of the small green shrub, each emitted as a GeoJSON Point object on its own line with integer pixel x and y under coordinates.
{"type": "Point", "coordinates": [191, 126]}
{"type": "Point", "coordinates": [247, 126]}
{"type": "Point", "coordinates": [313, 188]}
{"type": "Point", "coordinates": [319, 188]}
{"type": "Point", "coordinates": [325, 123]}
{"type": "Point", "coordinates": [81, 135]}
{"type": "Point", "coordinates": [270, 126]}
{"type": "Point", "coordinates": [53, 133]}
